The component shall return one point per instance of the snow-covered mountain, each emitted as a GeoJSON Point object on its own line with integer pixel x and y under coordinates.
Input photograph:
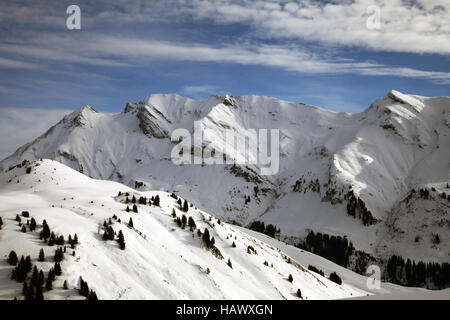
{"type": "Point", "coordinates": [161, 259]}
{"type": "Point", "coordinates": [379, 177]}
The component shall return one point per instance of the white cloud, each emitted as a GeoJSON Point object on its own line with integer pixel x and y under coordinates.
{"type": "Point", "coordinates": [118, 51]}
{"type": "Point", "coordinates": [420, 26]}
{"type": "Point", "coordinates": [21, 125]}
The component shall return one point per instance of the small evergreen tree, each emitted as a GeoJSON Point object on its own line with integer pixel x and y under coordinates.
{"type": "Point", "coordinates": [233, 245]}
{"type": "Point", "coordinates": [121, 240]}
{"type": "Point", "coordinates": [32, 224]}
{"type": "Point", "coordinates": [156, 202]}
{"type": "Point", "coordinates": [59, 255]}
{"type": "Point", "coordinates": [229, 263]}
{"type": "Point", "coordinates": [57, 269]}
{"type": "Point", "coordinates": [299, 293]}
{"type": "Point", "coordinates": [290, 278]}
{"type": "Point", "coordinates": [130, 223]}
{"type": "Point", "coordinates": [84, 288]}
{"type": "Point", "coordinates": [12, 258]}
{"type": "Point", "coordinates": [65, 286]}
{"type": "Point", "coordinates": [49, 283]}
{"type": "Point", "coordinates": [185, 206]}
{"type": "Point", "coordinates": [41, 278]}
{"type": "Point", "coordinates": [35, 277]}
{"type": "Point", "coordinates": [191, 224]}
{"type": "Point", "coordinates": [45, 231]}
{"type": "Point", "coordinates": [127, 209]}
{"type": "Point", "coordinates": [206, 239]}
{"type": "Point", "coordinates": [183, 221]}
{"type": "Point", "coordinates": [135, 208]}
{"type": "Point", "coordinates": [24, 229]}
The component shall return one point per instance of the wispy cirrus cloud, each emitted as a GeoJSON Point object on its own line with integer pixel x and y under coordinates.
{"type": "Point", "coordinates": [120, 51]}
{"type": "Point", "coordinates": [8, 63]}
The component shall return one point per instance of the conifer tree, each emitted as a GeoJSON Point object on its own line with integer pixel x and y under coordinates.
{"type": "Point", "coordinates": [65, 286]}
{"type": "Point", "coordinates": [52, 239]}
{"type": "Point", "coordinates": [127, 209]}
{"type": "Point", "coordinates": [135, 208]}
{"type": "Point", "coordinates": [24, 229]}
{"type": "Point", "coordinates": [229, 263]}
{"type": "Point", "coordinates": [299, 293]}
{"type": "Point", "coordinates": [59, 255]}
{"type": "Point", "coordinates": [18, 218]}
{"type": "Point", "coordinates": [206, 239]}
{"type": "Point", "coordinates": [49, 283]}
{"type": "Point", "coordinates": [290, 278]}
{"type": "Point", "coordinates": [84, 288]}
{"type": "Point", "coordinates": [57, 269]}
{"type": "Point", "coordinates": [191, 224]}
{"type": "Point", "coordinates": [185, 206]}
{"type": "Point", "coordinates": [41, 278]}
{"type": "Point", "coordinates": [35, 277]}
{"type": "Point", "coordinates": [183, 221]}
{"type": "Point", "coordinates": [130, 223]}
{"type": "Point", "coordinates": [156, 202]}
{"type": "Point", "coordinates": [233, 245]}
{"type": "Point", "coordinates": [32, 224]}
{"type": "Point", "coordinates": [45, 230]}
{"type": "Point", "coordinates": [121, 240]}
{"type": "Point", "coordinates": [133, 200]}
{"type": "Point", "coordinates": [28, 264]}
{"type": "Point", "coordinates": [12, 258]}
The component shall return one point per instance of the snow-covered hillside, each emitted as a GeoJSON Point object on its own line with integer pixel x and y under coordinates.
{"type": "Point", "coordinates": [160, 259]}
{"type": "Point", "coordinates": [362, 175]}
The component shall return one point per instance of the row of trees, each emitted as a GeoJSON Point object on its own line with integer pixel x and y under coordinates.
{"type": "Point", "coordinates": [357, 209]}
{"type": "Point", "coordinates": [335, 248]}
{"type": "Point", "coordinates": [269, 230]}
{"type": "Point", "coordinates": [410, 273]}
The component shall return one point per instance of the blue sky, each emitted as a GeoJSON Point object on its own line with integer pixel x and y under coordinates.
{"type": "Point", "coordinates": [317, 52]}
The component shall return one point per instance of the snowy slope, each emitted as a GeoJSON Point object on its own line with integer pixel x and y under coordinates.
{"type": "Point", "coordinates": [160, 261]}
{"type": "Point", "coordinates": [399, 144]}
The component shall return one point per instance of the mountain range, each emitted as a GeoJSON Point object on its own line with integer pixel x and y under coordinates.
{"type": "Point", "coordinates": [379, 178]}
